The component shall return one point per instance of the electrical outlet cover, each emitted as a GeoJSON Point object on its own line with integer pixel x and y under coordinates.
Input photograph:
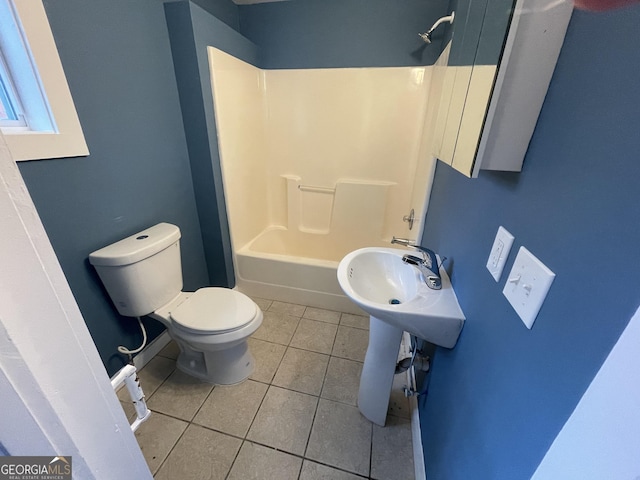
{"type": "Point", "coordinates": [499, 253]}
{"type": "Point", "coordinates": [527, 286]}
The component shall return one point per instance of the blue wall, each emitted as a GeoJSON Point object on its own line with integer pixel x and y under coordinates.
{"type": "Point", "coordinates": [191, 30]}
{"type": "Point", "coordinates": [343, 33]}
{"type": "Point", "coordinates": [224, 10]}
{"type": "Point", "coordinates": [118, 64]}
{"type": "Point", "coordinates": [497, 401]}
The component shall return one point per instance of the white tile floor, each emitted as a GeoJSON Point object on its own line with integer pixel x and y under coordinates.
{"type": "Point", "coordinates": [294, 418]}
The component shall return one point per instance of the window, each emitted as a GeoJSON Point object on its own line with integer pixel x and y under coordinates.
{"type": "Point", "coordinates": [37, 115]}
{"type": "Point", "coordinates": [11, 116]}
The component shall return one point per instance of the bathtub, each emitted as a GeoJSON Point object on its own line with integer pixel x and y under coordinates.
{"type": "Point", "coordinates": [295, 267]}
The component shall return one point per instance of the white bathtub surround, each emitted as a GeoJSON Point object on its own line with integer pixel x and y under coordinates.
{"type": "Point", "coordinates": [334, 157]}
{"type": "Point", "coordinates": [347, 211]}
{"type": "Point", "coordinates": [309, 207]}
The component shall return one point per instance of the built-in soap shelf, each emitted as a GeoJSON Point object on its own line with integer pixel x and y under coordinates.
{"type": "Point", "coordinates": [337, 209]}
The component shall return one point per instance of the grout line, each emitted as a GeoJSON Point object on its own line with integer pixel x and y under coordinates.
{"type": "Point", "coordinates": [257, 411]}
{"type": "Point", "coordinates": [301, 457]}
{"type": "Point", "coordinates": [313, 420]}
{"type": "Point", "coordinates": [147, 398]}
{"type": "Point", "coordinates": [371, 451]}
{"type": "Point", "coordinates": [320, 320]}
{"type": "Point", "coordinates": [324, 379]}
{"type": "Point", "coordinates": [335, 338]}
{"type": "Point", "coordinates": [172, 448]}
{"type": "Point", "coordinates": [279, 363]}
{"type": "Point", "coordinates": [235, 458]}
{"type": "Point", "coordinates": [340, 469]}
{"type": "Point", "coordinates": [171, 416]}
{"type": "Point", "coordinates": [203, 402]}
{"type": "Point", "coordinates": [265, 393]}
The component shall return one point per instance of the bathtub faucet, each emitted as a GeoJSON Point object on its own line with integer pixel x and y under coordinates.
{"type": "Point", "coordinates": [405, 242]}
{"type": "Point", "coordinates": [427, 265]}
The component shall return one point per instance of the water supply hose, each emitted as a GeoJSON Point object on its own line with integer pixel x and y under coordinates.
{"type": "Point", "coordinates": [128, 352]}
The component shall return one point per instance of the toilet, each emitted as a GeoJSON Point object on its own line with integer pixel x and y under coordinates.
{"type": "Point", "coordinates": [143, 276]}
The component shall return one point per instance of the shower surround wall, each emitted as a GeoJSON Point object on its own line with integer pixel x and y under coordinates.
{"type": "Point", "coordinates": [316, 163]}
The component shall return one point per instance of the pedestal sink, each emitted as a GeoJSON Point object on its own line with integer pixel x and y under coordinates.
{"type": "Point", "coordinates": [397, 299]}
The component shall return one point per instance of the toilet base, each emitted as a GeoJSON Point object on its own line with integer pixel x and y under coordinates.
{"type": "Point", "coordinates": [217, 358]}
{"type": "Point", "coordinates": [227, 366]}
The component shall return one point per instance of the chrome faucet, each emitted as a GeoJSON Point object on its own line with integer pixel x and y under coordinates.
{"type": "Point", "coordinates": [427, 265]}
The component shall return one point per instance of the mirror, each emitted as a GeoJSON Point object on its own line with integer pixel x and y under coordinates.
{"type": "Point", "coordinates": [497, 68]}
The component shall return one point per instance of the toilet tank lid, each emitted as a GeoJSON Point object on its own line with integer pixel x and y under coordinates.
{"type": "Point", "coordinates": [137, 247]}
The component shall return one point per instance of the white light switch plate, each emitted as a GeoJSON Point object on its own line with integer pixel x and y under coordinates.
{"type": "Point", "coordinates": [527, 285]}
{"type": "Point", "coordinates": [499, 253]}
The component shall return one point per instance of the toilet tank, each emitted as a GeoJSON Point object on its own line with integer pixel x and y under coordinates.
{"type": "Point", "coordinates": [142, 272]}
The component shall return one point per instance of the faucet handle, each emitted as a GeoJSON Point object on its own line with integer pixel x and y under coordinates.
{"type": "Point", "coordinates": [428, 255]}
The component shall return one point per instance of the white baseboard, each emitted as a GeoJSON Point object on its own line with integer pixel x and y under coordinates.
{"type": "Point", "coordinates": [416, 440]}
{"type": "Point", "coordinates": [416, 433]}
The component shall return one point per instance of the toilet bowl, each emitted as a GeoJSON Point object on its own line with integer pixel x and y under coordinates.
{"type": "Point", "coordinates": [143, 276]}
{"type": "Point", "coordinates": [211, 327]}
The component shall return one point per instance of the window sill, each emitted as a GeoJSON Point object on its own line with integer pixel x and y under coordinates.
{"type": "Point", "coordinates": [69, 140]}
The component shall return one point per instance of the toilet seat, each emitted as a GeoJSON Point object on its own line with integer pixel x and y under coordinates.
{"type": "Point", "coordinates": [214, 310]}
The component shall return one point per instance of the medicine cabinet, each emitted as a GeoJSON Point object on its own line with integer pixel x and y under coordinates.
{"type": "Point", "coordinates": [494, 76]}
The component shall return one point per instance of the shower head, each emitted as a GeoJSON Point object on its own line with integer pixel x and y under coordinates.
{"type": "Point", "coordinates": [426, 37]}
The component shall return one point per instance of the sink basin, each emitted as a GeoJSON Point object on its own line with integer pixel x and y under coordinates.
{"type": "Point", "coordinates": [386, 288]}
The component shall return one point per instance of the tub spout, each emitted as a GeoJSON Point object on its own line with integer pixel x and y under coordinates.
{"type": "Point", "coordinates": [403, 241]}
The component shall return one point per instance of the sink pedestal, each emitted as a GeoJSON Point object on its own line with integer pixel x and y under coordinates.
{"type": "Point", "coordinates": [378, 370]}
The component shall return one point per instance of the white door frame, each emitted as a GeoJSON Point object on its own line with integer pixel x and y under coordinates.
{"type": "Point", "coordinates": [56, 396]}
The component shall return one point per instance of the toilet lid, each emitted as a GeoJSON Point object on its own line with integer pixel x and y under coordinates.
{"type": "Point", "coordinates": [214, 310]}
